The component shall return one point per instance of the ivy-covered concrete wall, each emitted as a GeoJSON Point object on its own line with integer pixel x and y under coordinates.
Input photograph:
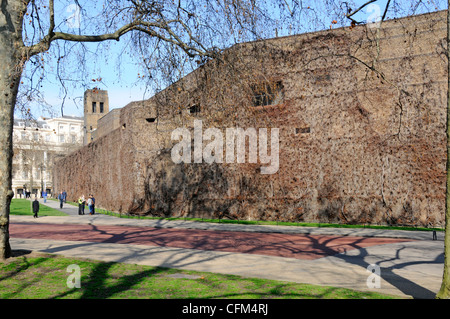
{"type": "Point", "coordinates": [361, 115]}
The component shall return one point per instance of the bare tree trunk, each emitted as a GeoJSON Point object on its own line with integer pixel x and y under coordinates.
{"type": "Point", "coordinates": [8, 94]}
{"type": "Point", "coordinates": [10, 72]}
{"type": "Point", "coordinates": [444, 292]}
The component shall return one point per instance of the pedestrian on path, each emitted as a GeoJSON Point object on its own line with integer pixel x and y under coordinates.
{"type": "Point", "coordinates": [61, 200]}
{"type": "Point", "coordinates": [35, 207]}
{"type": "Point", "coordinates": [81, 203]}
{"type": "Point", "coordinates": [91, 204]}
{"type": "Point", "coordinates": [44, 195]}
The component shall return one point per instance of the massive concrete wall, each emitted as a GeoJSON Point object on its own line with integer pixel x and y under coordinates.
{"type": "Point", "coordinates": [362, 133]}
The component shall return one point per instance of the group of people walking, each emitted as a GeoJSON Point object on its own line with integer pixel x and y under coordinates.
{"type": "Point", "coordinates": [82, 202]}
{"type": "Point", "coordinates": [90, 202]}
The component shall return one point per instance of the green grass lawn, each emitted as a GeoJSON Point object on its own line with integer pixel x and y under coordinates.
{"type": "Point", "coordinates": [99, 210]}
{"type": "Point", "coordinates": [23, 207]}
{"type": "Point", "coordinates": [44, 276]}
{"type": "Point", "coordinates": [266, 222]}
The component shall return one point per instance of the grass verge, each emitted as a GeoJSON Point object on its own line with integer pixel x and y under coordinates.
{"type": "Point", "coordinates": [23, 207]}
{"type": "Point", "coordinates": [264, 222]}
{"type": "Point", "coordinates": [273, 223]}
{"type": "Point", "coordinates": [32, 275]}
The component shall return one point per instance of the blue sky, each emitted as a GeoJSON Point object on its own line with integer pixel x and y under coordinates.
{"type": "Point", "coordinates": [122, 83]}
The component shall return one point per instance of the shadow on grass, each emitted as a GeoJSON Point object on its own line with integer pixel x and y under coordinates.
{"type": "Point", "coordinates": [97, 284]}
{"type": "Point", "coordinates": [96, 287]}
{"type": "Point", "coordinates": [23, 254]}
{"type": "Point", "coordinates": [104, 280]}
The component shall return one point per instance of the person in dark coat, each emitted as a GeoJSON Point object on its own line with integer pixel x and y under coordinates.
{"type": "Point", "coordinates": [35, 208]}
{"type": "Point", "coordinates": [91, 204]}
{"type": "Point", "coordinates": [61, 200]}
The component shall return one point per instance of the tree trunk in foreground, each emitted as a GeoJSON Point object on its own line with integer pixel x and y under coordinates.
{"type": "Point", "coordinates": [7, 102]}
{"type": "Point", "coordinates": [8, 94]}
{"type": "Point", "coordinates": [444, 292]}
{"type": "Point", "coordinates": [11, 67]}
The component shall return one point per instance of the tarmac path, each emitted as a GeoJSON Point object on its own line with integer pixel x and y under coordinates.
{"type": "Point", "coordinates": [299, 246]}
{"type": "Point", "coordinates": [410, 263]}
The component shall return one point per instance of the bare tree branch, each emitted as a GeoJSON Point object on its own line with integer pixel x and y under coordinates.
{"type": "Point", "coordinates": [141, 26]}
{"type": "Point", "coordinates": [349, 15]}
{"type": "Point", "coordinates": [52, 17]}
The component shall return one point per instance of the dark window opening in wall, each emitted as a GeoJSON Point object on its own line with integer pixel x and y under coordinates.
{"type": "Point", "coordinates": [303, 130]}
{"type": "Point", "coordinates": [194, 108]}
{"type": "Point", "coordinates": [101, 107]}
{"type": "Point", "coordinates": [151, 119]}
{"type": "Point", "coordinates": [94, 107]}
{"type": "Point", "coordinates": [267, 93]}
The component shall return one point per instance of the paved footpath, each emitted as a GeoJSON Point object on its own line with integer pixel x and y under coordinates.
{"type": "Point", "coordinates": [411, 263]}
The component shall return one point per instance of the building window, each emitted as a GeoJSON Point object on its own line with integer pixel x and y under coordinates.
{"type": "Point", "coordinates": [74, 139]}
{"type": "Point", "coordinates": [94, 107]}
{"type": "Point", "coordinates": [303, 130]}
{"type": "Point", "coordinates": [101, 107]}
{"type": "Point", "coordinates": [267, 93]}
{"type": "Point", "coordinates": [194, 108]}
{"type": "Point", "coordinates": [61, 138]}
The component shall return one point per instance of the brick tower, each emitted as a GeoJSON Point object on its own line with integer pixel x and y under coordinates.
{"type": "Point", "coordinates": [96, 105]}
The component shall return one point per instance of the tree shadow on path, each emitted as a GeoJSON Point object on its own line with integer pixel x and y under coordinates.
{"type": "Point", "coordinates": [388, 274]}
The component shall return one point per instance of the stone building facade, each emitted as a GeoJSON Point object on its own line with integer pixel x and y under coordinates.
{"type": "Point", "coordinates": [37, 144]}
{"type": "Point", "coordinates": [361, 114]}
